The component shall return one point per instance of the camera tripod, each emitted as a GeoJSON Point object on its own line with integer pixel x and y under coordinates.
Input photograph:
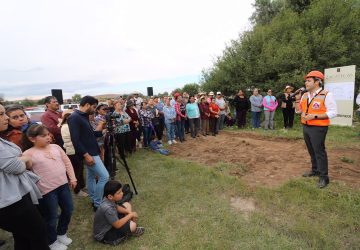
{"type": "Point", "coordinates": [110, 158]}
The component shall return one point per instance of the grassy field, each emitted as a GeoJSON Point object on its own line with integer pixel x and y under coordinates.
{"type": "Point", "coordinates": [185, 205]}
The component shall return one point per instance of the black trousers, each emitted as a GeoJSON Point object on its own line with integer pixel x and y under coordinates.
{"type": "Point", "coordinates": [123, 143]}
{"type": "Point", "coordinates": [194, 126]}
{"type": "Point", "coordinates": [241, 117]}
{"type": "Point", "coordinates": [133, 135]}
{"type": "Point", "coordinates": [24, 221]}
{"type": "Point", "coordinates": [213, 127]}
{"type": "Point", "coordinates": [314, 137]}
{"type": "Point", "coordinates": [78, 165]}
{"type": "Point", "coordinates": [159, 128]}
{"type": "Point", "coordinates": [288, 114]}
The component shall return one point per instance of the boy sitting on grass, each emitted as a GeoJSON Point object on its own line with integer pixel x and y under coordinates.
{"type": "Point", "coordinates": [112, 222]}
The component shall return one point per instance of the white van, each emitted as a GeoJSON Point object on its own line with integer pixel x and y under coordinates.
{"type": "Point", "coordinates": [69, 106]}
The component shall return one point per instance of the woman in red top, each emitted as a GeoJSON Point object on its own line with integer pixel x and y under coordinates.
{"type": "Point", "coordinates": [205, 115]}
{"type": "Point", "coordinates": [214, 116]}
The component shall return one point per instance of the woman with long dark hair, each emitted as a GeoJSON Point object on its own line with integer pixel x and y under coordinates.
{"type": "Point", "coordinates": [242, 106]}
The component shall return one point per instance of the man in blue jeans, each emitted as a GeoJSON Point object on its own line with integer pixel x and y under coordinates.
{"type": "Point", "coordinates": [84, 139]}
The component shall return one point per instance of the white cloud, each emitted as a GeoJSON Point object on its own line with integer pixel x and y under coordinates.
{"type": "Point", "coordinates": [113, 41]}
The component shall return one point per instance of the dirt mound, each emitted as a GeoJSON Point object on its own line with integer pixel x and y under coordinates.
{"type": "Point", "coordinates": [259, 160]}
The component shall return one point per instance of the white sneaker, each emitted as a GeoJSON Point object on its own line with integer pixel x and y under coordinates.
{"type": "Point", "coordinates": [57, 246]}
{"type": "Point", "coordinates": [63, 239]}
{"type": "Point", "coordinates": [82, 194]}
{"type": "Point", "coordinates": [169, 142]}
{"type": "Point", "coordinates": [173, 141]}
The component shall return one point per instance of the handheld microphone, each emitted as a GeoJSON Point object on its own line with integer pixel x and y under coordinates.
{"type": "Point", "coordinates": [297, 92]}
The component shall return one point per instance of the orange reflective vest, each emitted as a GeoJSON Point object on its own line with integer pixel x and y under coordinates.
{"type": "Point", "coordinates": [315, 107]}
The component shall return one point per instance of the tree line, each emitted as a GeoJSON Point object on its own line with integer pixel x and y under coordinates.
{"type": "Point", "coordinates": [288, 38]}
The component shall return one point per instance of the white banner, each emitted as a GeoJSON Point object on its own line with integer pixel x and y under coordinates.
{"type": "Point", "coordinates": [341, 82]}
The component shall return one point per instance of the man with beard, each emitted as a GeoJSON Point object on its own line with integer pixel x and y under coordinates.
{"type": "Point", "coordinates": [84, 140]}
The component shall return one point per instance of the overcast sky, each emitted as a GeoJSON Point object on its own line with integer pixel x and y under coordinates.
{"type": "Point", "coordinates": [112, 46]}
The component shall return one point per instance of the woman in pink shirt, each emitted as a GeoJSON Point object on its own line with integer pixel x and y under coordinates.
{"type": "Point", "coordinates": [270, 104]}
{"type": "Point", "coordinates": [53, 166]}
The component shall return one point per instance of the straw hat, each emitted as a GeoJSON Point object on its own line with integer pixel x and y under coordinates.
{"type": "Point", "coordinates": [288, 87]}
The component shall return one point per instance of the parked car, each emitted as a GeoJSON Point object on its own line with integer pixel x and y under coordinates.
{"type": "Point", "coordinates": [69, 106]}
{"type": "Point", "coordinates": [35, 115]}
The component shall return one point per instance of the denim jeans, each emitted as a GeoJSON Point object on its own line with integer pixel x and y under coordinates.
{"type": "Point", "coordinates": [255, 119]}
{"type": "Point", "coordinates": [147, 136]}
{"type": "Point", "coordinates": [170, 130]}
{"type": "Point", "coordinates": [180, 125]}
{"type": "Point", "coordinates": [220, 122]}
{"type": "Point", "coordinates": [49, 204]}
{"type": "Point", "coordinates": [96, 190]}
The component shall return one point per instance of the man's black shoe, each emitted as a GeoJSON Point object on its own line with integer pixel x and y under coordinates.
{"type": "Point", "coordinates": [2, 242]}
{"type": "Point", "coordinates": [323, 182]}
{"type": "Point", "coordinates": [310, 174]}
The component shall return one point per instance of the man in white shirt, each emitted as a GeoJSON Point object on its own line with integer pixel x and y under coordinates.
{"type": "Point", "coordinates": [316, 107]}
{"type": "Point", "coordinates": [222, 106]}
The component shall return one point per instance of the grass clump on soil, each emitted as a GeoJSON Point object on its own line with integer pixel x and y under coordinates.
{"type": "Point", "coordinates": [346, 159]}
{"type": "Point", "coordinates": [185, 205]}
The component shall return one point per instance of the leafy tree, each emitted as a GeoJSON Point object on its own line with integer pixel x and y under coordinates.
{"type": "Point", "coordinates": [288, 39]}
{"type": "Point", "coordinates": [41, 101]}
{"type": "Point", "coordinates": [177, 90]}
{"type": "Point", "coordinates": [27, 103]}
{"type": "Point", "coordinates": [163, 94]}
{"type": "Point", "coordinates": [76, 98]}
{"type": "Point", "coordinates": [191, 88]}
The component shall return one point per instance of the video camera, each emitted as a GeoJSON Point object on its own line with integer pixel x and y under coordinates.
{"type": "Point", "coordinates": [110, 122]}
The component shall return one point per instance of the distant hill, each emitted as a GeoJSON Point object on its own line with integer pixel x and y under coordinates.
{"type": "Point", "coordinates": [107, 96]}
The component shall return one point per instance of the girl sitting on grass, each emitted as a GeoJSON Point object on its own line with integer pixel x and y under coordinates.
{"type": "Point", "coordinates": [53, 166]}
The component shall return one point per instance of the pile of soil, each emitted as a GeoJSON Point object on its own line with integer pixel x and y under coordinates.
{"type": "Point", "coordinates": [265, 161]}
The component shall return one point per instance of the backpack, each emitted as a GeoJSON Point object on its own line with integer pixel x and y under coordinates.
{"type": "Point", "coordinates": [127, 194]}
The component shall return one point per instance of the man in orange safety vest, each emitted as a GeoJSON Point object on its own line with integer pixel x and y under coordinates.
{"type": "Point", "coordinates": [317, 106]}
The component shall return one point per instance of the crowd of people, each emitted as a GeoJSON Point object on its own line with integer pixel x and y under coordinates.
{"type": "Point", "coordinates": [41, 164]}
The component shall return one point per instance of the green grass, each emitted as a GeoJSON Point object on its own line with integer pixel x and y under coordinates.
{"type": "Point", "coordinates": [337, 135]}
{"type": "Point", "coordinates": [185, 205]}
{"type": "Point", "coordinates": [346, 160]}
